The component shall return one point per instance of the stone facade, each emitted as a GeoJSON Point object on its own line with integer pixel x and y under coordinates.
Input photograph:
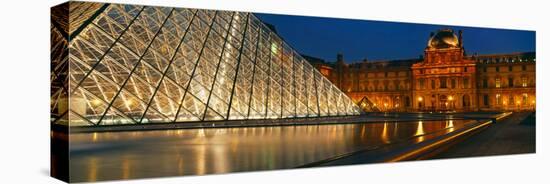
{"type": "Point", "coordinates": [444, 79]}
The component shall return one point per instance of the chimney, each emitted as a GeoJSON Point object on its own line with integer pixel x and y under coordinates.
{"type": "Point", "coordinates": [340, 58]}
{"type": "Point", "coordinates": [460, 38]}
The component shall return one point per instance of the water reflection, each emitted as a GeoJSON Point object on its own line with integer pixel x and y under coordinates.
{"type": "Point", "coordinates": [123, 155]}
{"type": "Point", "coordinates": [384, 135]}
{"type": "Point", "coordinates": [126, 167]}
{"type": "Point", "coordinates": [92, 174]}
{"type": "Point", "coordinates": [449, 126]}
{"type": "Point", "coordinates": [419, 129]}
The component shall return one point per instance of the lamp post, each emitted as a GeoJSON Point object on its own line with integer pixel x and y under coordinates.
{"type": "Point", "coordinates": [451, 100]}
{"type": "Point", "coordinates": [420, 99]}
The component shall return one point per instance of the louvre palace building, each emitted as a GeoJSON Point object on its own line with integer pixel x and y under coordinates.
{"type": "Point", "coordinates": [445, 78]}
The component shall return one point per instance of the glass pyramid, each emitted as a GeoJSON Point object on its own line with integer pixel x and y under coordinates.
{"type": "Point", "coordinates": [127, 64]}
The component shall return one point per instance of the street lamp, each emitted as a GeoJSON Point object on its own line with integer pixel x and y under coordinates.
{"type": "Point", "coordinates": [450, 98]}
{"type": "Point", "coordinates": [420, 103]}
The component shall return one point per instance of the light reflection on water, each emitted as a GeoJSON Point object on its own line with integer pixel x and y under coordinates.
{"type": "Point", "coordinates": [419, 131]}
{"type": "Point", "coordinates": [139, 154]}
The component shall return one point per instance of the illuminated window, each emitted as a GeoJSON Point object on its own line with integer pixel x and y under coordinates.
{"type": "Point", "coordinates": [497, 82]}
{"type": "Point", "coordinates": [524, 81]}
{"type": "Point", "coordinates": [443, 82]}
{"type": "Point", "coordinates": [453, 83]}
{"type": "Point", "coordinates": [498, 99]}
{"type": "Point", "coordinates": [524, 99]}
{"type": "Point", "coordinates": [466, 83]}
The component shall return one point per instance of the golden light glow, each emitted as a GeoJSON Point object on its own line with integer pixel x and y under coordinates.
{"type": "Point", "coordinates": [274, 48]}
{"type": "Point", "coordinates": [128, 102]}
{"type": "Point", "coordinates": [450, 124]}
{"type": "Point", "coordinates": [94, 137]}
{"type": "Point", "coordinates": [419, 132]}
{"type": "Point", "coordinates": [126, 166]}
{"type": "Point", "coordinates": [384, 135]}
{"type": "Point", "coordinates": [420, 99]}
{"type": "Point", "coordinates": [92, 171]}
{"type": "Point", "coordinates": [450, 98]}
{"type": "Point", "coordinates": [96, 102]}
{"type": "Point", "coordinates": [419, 129]}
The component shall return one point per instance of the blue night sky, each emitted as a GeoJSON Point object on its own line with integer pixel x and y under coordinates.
{"type": "Point", "coordinates": [375, 40]}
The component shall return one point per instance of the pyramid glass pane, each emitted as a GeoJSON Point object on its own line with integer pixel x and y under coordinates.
{"type": "Point", "coordinates": [124, 64]}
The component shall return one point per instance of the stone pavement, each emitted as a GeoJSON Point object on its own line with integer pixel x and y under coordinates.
{"type": "Point", "coordinates": [513, 135]}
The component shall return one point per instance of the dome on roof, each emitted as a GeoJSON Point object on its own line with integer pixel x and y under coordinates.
{"type": "Point", "coordinates": [443, 39]}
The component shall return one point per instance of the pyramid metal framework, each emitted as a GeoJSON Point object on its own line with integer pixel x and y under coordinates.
{"type": "Point", "coordinates": [128, 64]}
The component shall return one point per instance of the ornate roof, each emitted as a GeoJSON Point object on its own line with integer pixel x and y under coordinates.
{"type": "Point", "coordinates": [443, 39]}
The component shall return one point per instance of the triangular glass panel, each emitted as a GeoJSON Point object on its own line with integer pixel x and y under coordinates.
{"type": "Point", "coordinates": [185, 65]}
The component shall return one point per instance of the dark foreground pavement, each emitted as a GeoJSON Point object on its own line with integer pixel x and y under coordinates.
{"type": "Point", "coordinates": [513, 135]}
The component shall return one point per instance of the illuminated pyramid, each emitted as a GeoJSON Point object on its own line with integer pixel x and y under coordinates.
{"type": "Point", "coordinates": [127, 64]}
